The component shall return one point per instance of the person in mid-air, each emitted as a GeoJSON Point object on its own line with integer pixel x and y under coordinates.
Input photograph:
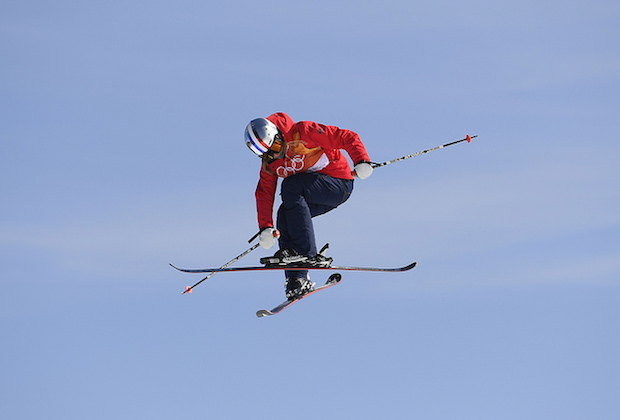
{"type": "Point", "coordinates": [317, 179]}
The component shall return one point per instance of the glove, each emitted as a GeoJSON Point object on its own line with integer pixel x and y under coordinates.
{"type": "Point", "coordinates": [268, 237]}
{"type": "Point", "coordinates": [362, 170]}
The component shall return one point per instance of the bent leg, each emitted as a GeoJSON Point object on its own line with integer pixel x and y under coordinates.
{"type": "Point", "coordinates": [305, 196]}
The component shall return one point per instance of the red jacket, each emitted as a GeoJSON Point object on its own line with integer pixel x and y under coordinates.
{"type": "Point", "coordinates": [311, 147]}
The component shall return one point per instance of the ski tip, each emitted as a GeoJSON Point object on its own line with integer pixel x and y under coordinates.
{"type": "Point", "coordinates": [263, 312]}
{"type": "Point", "coordinates": [334, 278]}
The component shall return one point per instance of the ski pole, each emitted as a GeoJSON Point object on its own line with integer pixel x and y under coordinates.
{"type": "Point", "coordinates": [188, 289]}
{"type": "Point", "coordinates": [378, 165]}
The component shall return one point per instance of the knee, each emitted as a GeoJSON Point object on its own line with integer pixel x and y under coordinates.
{"type": "Point", "coordinates": [292, 189]}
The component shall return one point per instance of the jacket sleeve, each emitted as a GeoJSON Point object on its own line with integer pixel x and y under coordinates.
{"type": "Point", "coordinates": [265, 196]}
{"type": "Point", "coordinates": [332, 137]}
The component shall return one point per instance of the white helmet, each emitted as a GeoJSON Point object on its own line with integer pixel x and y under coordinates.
{"type": "Point", "coordinates": [260, 135]}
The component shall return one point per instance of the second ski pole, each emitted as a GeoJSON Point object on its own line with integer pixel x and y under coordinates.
{"type": "Point", "coordinates": [378, 165]}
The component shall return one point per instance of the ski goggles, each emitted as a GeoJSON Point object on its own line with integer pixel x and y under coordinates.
{"type": "Point", "coordinates": [276, 151]}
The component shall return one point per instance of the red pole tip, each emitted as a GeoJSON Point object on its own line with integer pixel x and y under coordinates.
{"type": "Point", "coordinates": [276, 233]}
{"type": "Point", "coordinates": [468, 139]}
{"type": "Point", "coordinates": [188, 289]}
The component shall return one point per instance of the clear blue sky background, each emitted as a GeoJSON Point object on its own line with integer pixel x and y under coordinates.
{"type": "Point", "coordinates": [121, 151]}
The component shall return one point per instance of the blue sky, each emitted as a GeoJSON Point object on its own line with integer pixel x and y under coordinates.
{"type": "Point", "coordinates": [121, 150]}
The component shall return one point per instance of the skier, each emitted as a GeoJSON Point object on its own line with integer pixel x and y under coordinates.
{"type": "Point", "coordinates": [317, 179]}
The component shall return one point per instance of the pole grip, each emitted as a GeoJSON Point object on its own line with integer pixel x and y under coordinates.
{"type": "Point", "coordinates": [276, 234]}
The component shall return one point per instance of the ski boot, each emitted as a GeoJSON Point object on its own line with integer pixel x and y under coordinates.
{"type": "Point", "coordinates": [291, 257]}
{"type": "Point", "coordinates": [284, 257]}
{"type": "Point", "coordinates": [297, 285]}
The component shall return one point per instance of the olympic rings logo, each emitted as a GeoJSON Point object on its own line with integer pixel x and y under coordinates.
{"type": "Point", "coordinates": [291, 166]}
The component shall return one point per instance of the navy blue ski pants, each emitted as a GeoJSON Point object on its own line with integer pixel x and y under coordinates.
{"type": "Point", "coordinates": [305, 196]}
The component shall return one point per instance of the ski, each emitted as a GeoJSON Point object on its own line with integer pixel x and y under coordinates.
{"type": "Point", "coordinates": [294, 267]}
{"type": "Point", "coordinates": [331, 281]}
